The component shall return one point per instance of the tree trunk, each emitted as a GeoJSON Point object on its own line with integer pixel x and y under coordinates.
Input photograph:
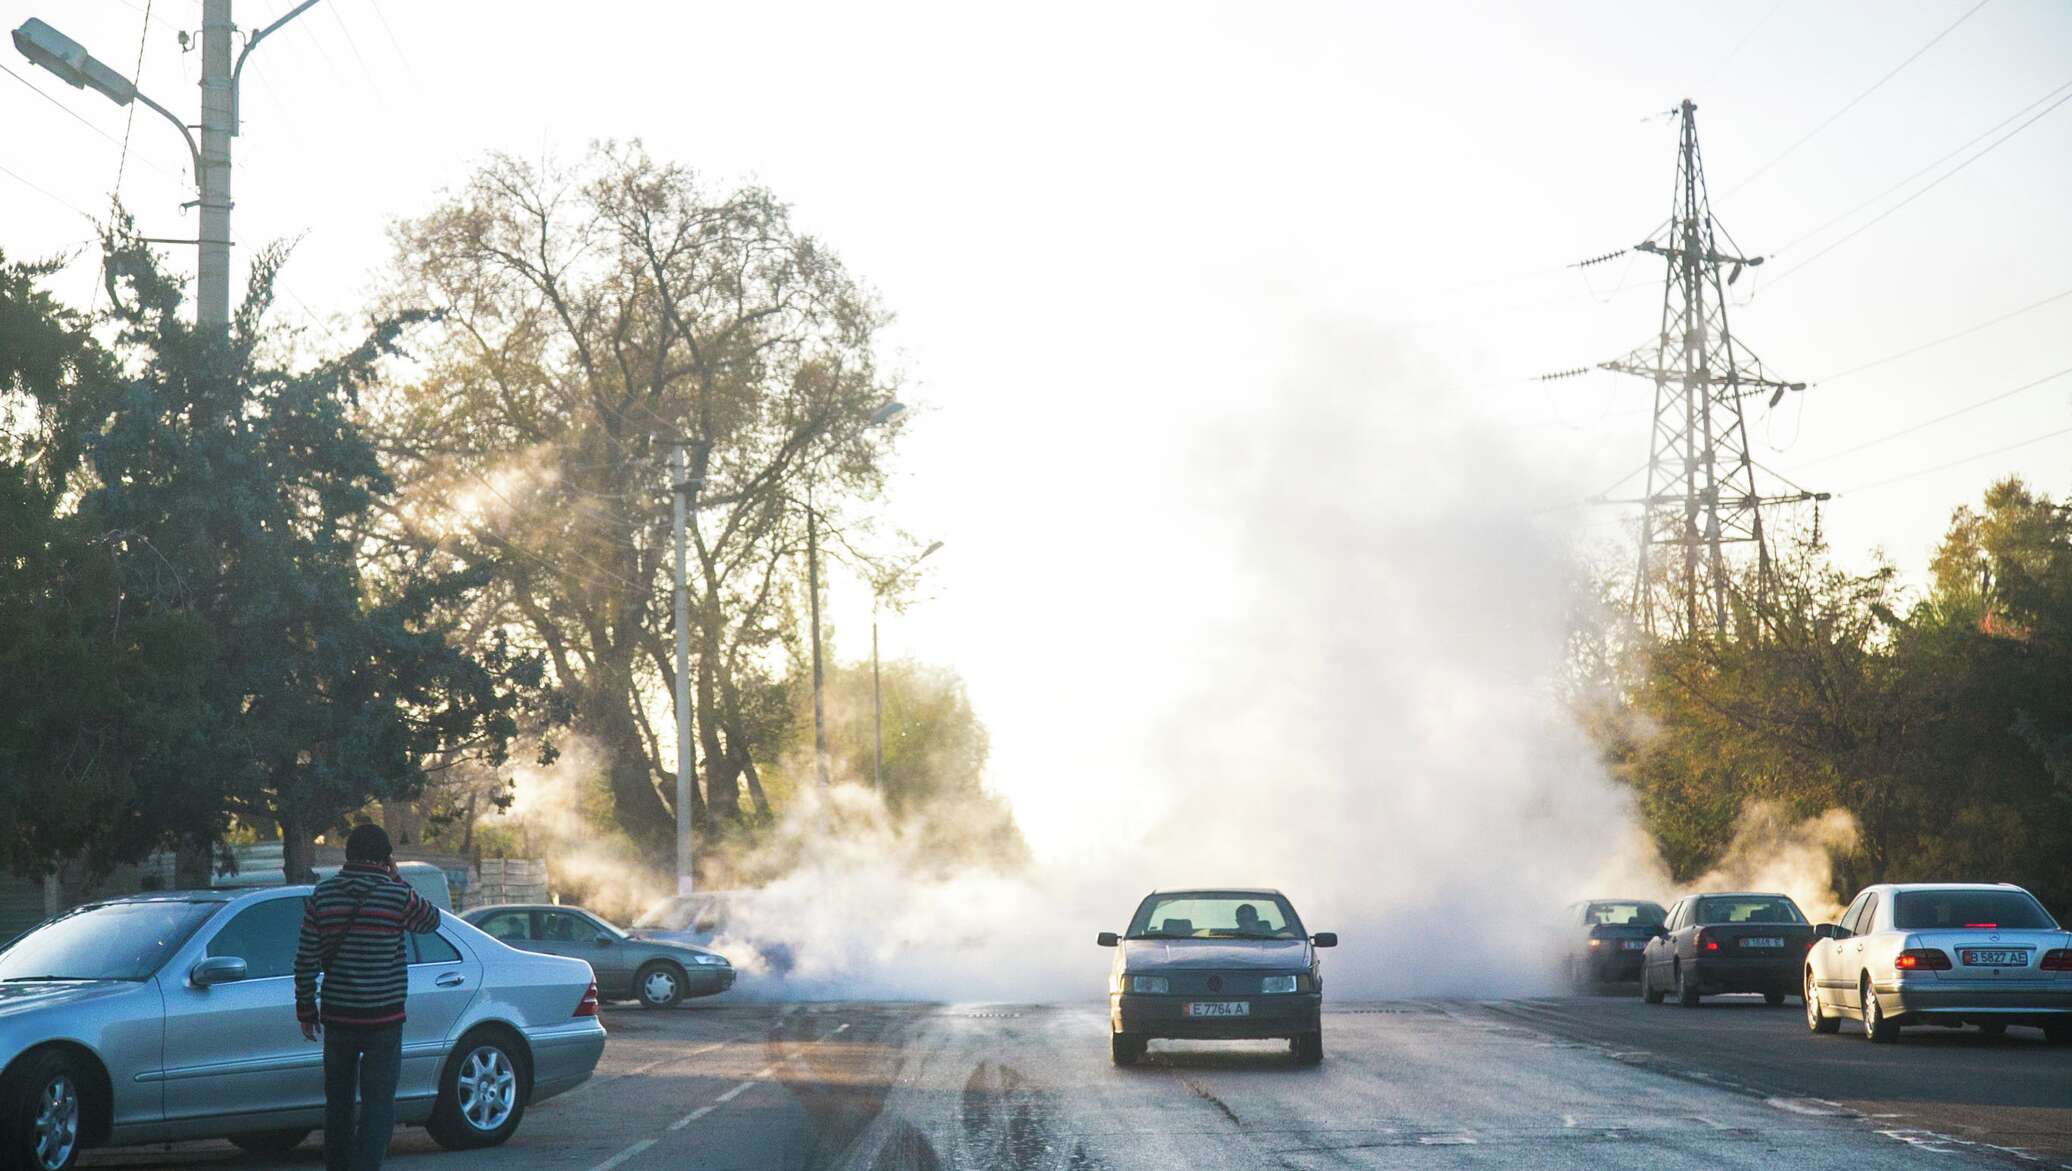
{"type": "Point", "coordinates": [298, 850]}
{"type": "Point", "coordinates": [637, 808]}
{"type": "Point", "coordinates": [722, 771]}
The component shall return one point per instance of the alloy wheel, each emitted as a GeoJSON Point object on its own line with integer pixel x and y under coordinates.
{"type": "Point", "coordinates": [57, 1122]}
{"type": "Point", "coordinates": [488, 1086]}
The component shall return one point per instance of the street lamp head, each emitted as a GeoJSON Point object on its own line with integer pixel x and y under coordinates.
{"type": "Point", "coordinates": [891, 408]}
{"type": "Point", "coordinates": [53, 50]}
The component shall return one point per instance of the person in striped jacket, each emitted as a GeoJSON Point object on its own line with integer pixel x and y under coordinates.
{"type": "Point", "coordinates": [352, 936]}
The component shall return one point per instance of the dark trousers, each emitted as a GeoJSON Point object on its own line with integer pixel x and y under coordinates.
{"type": "Point", "coordinates": [368, 1060]}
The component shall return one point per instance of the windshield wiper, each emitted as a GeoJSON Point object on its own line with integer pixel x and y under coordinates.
{"type": "Point", "coordinates": [31, 979]}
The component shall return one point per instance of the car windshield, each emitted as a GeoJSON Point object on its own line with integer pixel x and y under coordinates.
{"type": "Point", "coordinates": [1748, 909]}
{"type": "Point", "coordinates": [1215, 915]}
{"type": "Point", "coordinates": [105, 941]}
{"type": "Point", "coordinates": [1929, 910]}
{"type": "Point", "coordinates": [1625, 914]}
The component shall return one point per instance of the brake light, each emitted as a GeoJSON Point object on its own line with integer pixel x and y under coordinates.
{"type": "Point", "coordinates": [587, 1006]}
{"type": "Point", "coordinates": [1985, 925]}
{"type": "Point", "coordinates": [1922, 959]}
{"type": "Point", "coordinates": [2057, 959]}
{"type": "Point", "coordinates": [1704, 942]}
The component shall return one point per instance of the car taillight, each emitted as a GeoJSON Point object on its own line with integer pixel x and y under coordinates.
{"type": "Point", "coordinates": [2057, 959]}
{"type": "Point", "coordinates": [587, 1006]}
{"type": "Point", "coordinates": [1704, 942]}
{"type": "Point", "coordinates": [1922, 959]}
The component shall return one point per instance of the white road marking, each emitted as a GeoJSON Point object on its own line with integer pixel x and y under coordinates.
{"type": "Point", "coordinates": [1447, 1140]}
{"type": "Point", "coordinates": [734, 1093]}
{"type": "Point", "coordinates": [843, 1027]}
{"type": "Point", "coordinates": [693, 1116]}
{"type": "Point", "coordinates": [624, 1155]}
{"type": "Point", "coordinates": [636, 1071]}
{"type": "Point", "coordinates": [1811, 1107]}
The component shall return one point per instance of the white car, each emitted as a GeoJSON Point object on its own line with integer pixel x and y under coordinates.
{"type": "Point", "coordinates": [1941, 954]}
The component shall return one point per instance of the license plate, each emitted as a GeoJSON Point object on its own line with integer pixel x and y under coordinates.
{"type": "Point", "coordinates": [1995, 959]}
{"type": "Point", "coordinates": [1763, 941]}
{"type": "Point", "coordinates": [1633, 945]}
{"type": "Point", "coordinates": [1216, 1008]}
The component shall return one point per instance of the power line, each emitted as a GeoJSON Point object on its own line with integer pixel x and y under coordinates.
{"type": "Point", "coordinates": [47, 193]}
{"type": "Point", "coordinates": [1939, 180]}
{"type": "Point", "coordinates": [1852, 102]}
{"type": "Point", "coordinates": [1929, 345]}
{"type": "Point", "coordinates": [1944, 467]}
{"type": "Point", "coordinates": [75, 115]}
{"type": "Point", "coordinates": [1943, 418]}
{"type": "Point", "coordinates": [129, 123]}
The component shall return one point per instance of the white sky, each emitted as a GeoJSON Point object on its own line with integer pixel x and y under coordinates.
{"type": "Point", "coordinates": [1099, 223]}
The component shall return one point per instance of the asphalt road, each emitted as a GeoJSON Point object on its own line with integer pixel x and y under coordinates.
{"type": "Point", "coordinates": [1574, 1083]}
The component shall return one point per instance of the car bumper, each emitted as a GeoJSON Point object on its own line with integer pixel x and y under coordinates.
{"type": "Point", "coordinates": [1607, 966]}
{"type": "Point", "coordinates": [564, 1058]}
{"type": "Point", "coordinates": [1282, 1015]}
{"type": "Point", "coordinates": [1926, 1000]}
{"type": "Point", "coordinates": [1767, 974]}
{"type": "Point", "coordinates": [708, 981]}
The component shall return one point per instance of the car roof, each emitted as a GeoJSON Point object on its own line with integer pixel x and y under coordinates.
{"type": "Point", "coordinates": [1906, 886]}
{"type": "Point", "coordinates": [528, 907]}
{"type": "Point", "coordinates": [1740, 894]}
{"type": "Point", "coordinates": [1261, 891]}
{"type": "Point", "coordinates": [1617, 899]}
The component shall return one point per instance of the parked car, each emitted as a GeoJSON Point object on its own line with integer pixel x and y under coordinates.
{"type": "Point", "coordinates": [709, 917]}
{"type": "Point", "coordinates": [1215, 965]}
{"type": "Point", "coordinates": [1727, 943]}
{"type": "Point", "coordinates": [427, 880]}
{"type": "Point", "coordinates": [1941, 954]}
{"type": "Point", "coordinates": [1603, 940]}
{"type": "Point", "coordinates": [163, 1017]}
{"type": "Point", "coordinates": [657, 974]}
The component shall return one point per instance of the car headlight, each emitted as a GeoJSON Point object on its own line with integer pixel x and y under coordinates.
{"type": "Point", "coordinates": [1280, 983]}
{"type": "Point", "coordinates": [710, 961]}
{"type": "Point", "coordinates": [1153, 984]}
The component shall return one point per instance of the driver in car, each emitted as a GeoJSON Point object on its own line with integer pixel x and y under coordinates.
{"type": "Point", "coordinates": [1248, 922]}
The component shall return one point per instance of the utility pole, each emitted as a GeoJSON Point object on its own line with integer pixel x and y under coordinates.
{"type": "Point", "coordinates": [819, 680]}
{"type": "Point", "coordinates": [1702, 494]}
{"type": "Point", "coordinates": [679, 474]}
{"type": "Point", "coordinates": [212, 273]}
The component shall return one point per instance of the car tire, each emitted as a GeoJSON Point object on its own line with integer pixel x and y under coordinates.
{"type": "Point", "coordinates": [1309, 1048]}
{"type": "Point", "coordinates": [482, 1092]}
{"type": "Point", "coordinates": [660, 984]}
{"type": "Point", "coordinates": [1774, 997]}
{"type": "Point", "coordinates": [1993, 1029]}
{"type": "Point", "coordinates": [2058, 1032]}
{"type": "Point", "coordinates": [1125, 1050]}
{"type": "Point", "coordinates": [271, 1144]}
{"type": "Point", "coordinates": [1686, 991]}
{"type": "Point", "coordinates": [1817, 1020]}
{"type": "Point", "coordinates": [1649, 994]}
{"type": "Point", "coordinates": [1881, 1029]}
{"type": "Point", "coordinates": [43, 1112]}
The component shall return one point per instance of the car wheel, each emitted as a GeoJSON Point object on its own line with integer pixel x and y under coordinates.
{"type": "Point", "coordinates": [1649, 994]}
{"type": "Point", "coordinates": [2058, 1032]}
{"type": "Point", "coordinates": [1993, 1029]}
{"type": "Point", "coordinates": [1817, 1019]}
{"type": "Point", "coordinates": [1880, 1028]}
{"type": "Point", "coordinates": [1309, 1048]}
{"type": "Point", "coordinates": [1774, 997]}
{"type": "Point", "coordinates": [1686, 990]}
{"type": "Point", "coordinates": [269, 1143]}
{"type": "Point", "coordinates": [40, 1118]}
{"type": "Point", "coordinates": [1124, 1049]}
{"type": "Point", "coordinates": [482, 1092]}
{"type": "Point", "coordinates": [660, 985]}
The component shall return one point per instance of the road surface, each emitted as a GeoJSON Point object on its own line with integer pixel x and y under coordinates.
{"type": "Point", "coordinates": [1572, 1083]}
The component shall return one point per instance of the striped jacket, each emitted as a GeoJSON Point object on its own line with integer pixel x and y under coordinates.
{"type": "Point", "coordinates": [366, 981]}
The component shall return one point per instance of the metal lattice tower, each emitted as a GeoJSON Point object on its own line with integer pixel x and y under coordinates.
{"type": "Point", "coordinates": [1702, 495]}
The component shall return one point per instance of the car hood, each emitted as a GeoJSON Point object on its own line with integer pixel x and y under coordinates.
{"type": "Point", "coordinates": [29, 996]}
{"type": "Point", "coordinates": [1149, 955]}
{"type": "Point", "coordinates": [666, 944]}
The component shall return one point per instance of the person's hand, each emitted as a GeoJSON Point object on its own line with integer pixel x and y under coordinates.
{"type": "Point", "coordinates": [311, 1030]}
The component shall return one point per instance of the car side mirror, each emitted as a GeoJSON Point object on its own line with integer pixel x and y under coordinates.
{"type": "Point", "coordinates": [217, 970]}
{"type": "Point", "coordinates": [1824, 931]}
{"type": "Point", "coordinates": [1106, 939]}
{"type": "Point", "coordinates": [602, 940]}
{"type": "Point", "coordinates": [1661, 932]}
{"type": "Point", "coordinates": [1324, 939]}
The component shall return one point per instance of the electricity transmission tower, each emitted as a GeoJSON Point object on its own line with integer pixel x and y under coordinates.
{"type": "Point", "coordinates": [1702, 496]}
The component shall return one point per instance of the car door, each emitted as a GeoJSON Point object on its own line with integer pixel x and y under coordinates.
{"type": "Point", "coordinates": [1826, 956]}
{"type": "Point", "coordinates": [234, 1048]}
{"type": "Point", "coordinates": [443, 982]}
{"type": "Point", "coordinates": [577, 936]}
{"type": "Point", "coordinates": [1661, 951]}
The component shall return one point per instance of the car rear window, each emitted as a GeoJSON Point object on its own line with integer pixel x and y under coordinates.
{"type": "Point", "coordinates": [1725, 909]}
{"type": "Point", "coordinates": [1931, 910]}
{"type": "Point", "coordinates": [1624, 914]}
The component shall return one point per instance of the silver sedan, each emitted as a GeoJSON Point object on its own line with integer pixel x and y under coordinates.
{"type": "Point", "coordinates": [172, 1016]}
{"type": "Point", "coordinates": [1941, 954]}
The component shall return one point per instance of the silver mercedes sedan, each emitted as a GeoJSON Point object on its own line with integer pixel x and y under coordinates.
{"type": "Point", "coordinates": [1941, 954]}
{"type": "Point", "coordinates": [172, 1016]}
